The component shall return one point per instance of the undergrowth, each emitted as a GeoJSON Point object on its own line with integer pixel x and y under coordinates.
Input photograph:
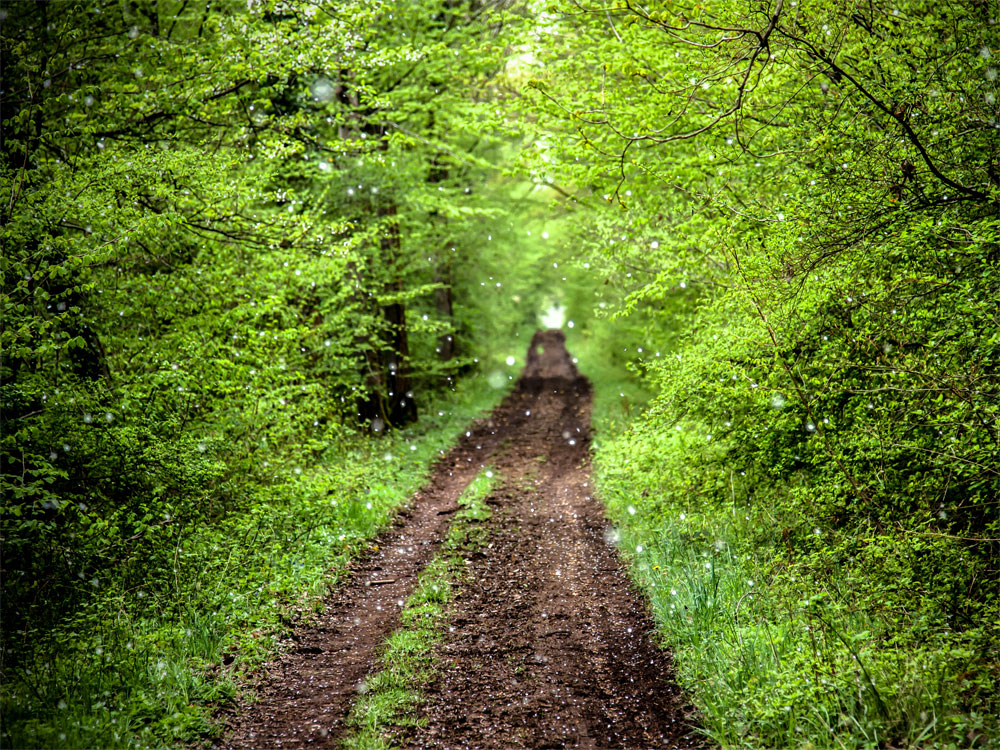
{"type": "Point", "coordinates": [144, 666]}
{"type": "Point", "coordinates": [389, 696]}
{"type": "Point", "coordinates": [788, 630]}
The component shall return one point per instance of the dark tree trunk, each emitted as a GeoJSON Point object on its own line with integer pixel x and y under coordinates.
{"type": "Point", "coordinates": [402, 407]}
{"type": "Point", "coordinates": [389, 401]}
{"type": "Point", "coordinates": [446, 346]}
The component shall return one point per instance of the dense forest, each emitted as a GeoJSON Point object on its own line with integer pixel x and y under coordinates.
{"type": "Point", "coordinates": [262, 261]}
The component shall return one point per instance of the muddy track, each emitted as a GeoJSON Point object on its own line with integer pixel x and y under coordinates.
{"type": "Point", "coordinates": [549, 645]}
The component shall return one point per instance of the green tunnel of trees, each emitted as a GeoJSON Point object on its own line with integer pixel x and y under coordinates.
{"type": "Point", "coordinates": [243, 239]}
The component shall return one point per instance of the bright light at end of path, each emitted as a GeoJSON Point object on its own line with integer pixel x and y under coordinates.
{"type": "Point", "coordinates": [554, 317]}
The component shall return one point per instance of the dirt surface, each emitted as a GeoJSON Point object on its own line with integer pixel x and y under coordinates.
{"type": "Point", "coordinates": [548, 645]}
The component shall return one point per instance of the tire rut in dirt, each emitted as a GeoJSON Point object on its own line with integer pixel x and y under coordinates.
{"type": "Point", "coordinates": [549, 644]}
{"type": "Point", "coordinates": [306, 694]}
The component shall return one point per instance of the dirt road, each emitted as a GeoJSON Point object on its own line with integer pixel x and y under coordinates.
{"type": "Point", "coordinates": [548, 645]}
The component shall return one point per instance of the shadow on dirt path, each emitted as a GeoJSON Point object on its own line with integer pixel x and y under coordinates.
{"type": "Point", "coordinates": [549, 644]}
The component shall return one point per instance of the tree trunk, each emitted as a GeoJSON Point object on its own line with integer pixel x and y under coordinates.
{"type": "Point", "coordinates": [446, 346]}
{"type": "Point", "coordinates": [389, 401]}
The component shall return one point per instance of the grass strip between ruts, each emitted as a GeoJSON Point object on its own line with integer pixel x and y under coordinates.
{"type": "Point", "coordinates": [388, 697]}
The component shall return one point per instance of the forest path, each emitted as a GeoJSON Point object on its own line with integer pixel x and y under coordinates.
{"type": "Point", "coordinates": [549, 645]}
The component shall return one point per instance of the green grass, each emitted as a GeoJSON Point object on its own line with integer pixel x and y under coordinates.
{"type": "Point", "coordinates": [143, 668]}
{"type": "Point", "coordinates": [778, 649]}
{"type": "Point", "coordinates": [777, 641]}
{"type": "Point", "coordinates": [391, 695]}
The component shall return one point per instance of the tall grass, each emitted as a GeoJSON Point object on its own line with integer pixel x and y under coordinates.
{"type": "Point", "coordinates": [776, 650]}
{"type": "Point", "coordinates": [145, 667]}
{"type": "Point", "coordinates": [778, 641]}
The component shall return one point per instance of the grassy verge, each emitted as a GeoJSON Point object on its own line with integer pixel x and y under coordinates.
{"type": "Point", "coordinates": [390, 695]}
{"type": "Point", "coordinates": [141, 667]}
{"type": "Point", "coordinates": [778, 641]}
